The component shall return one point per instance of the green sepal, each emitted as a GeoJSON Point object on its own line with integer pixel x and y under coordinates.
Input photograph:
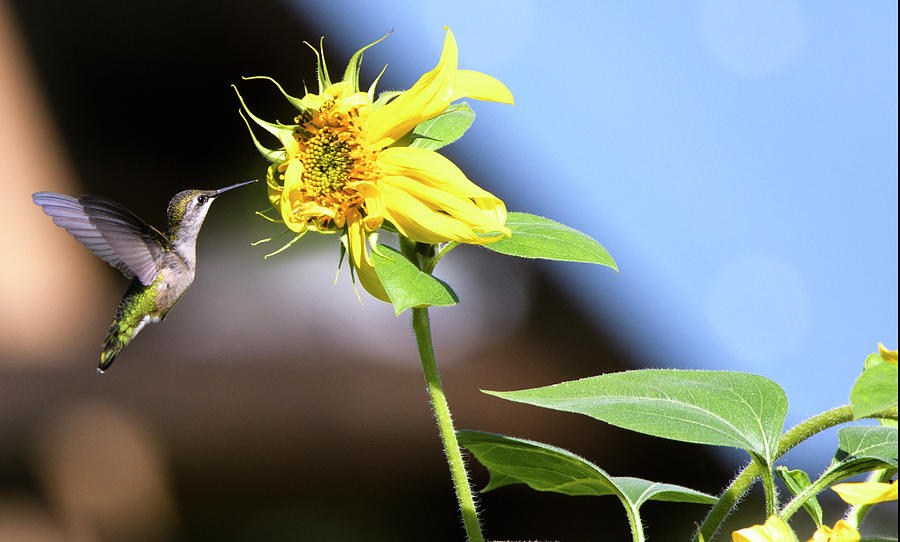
{"type": "Point", "coordinates": [321, 67]}
{"type": "Point", "coordinates": [296, 102]}
{"type": "Point", "coordinates": [538, 237]}
{"type": "Point", "coordinates": [544, 467]}
{"type": "Point", "coordinates": [287, 245]}
{"type": "Point", "coordinates": [385, 97]}
{"type": "Point", "coordinates": [406, 285]}
{"type": "Point", "coordinates": [343, 253]}
{"type": "Point", "coordinates": [796, 481]}
{"type": "Point", "coordinates": [345, 249]}
{"type": "Point", "coordinates": [371, 92]}
{"type": "Point", "coordinates": [263, 215]}
{"type": "Point", "coordinates": [274, 129]}
{"type": "Point", "coordinates": [269, 154]}
{"type": "Point", "coordinates": [268, 239]}
{"type": "Point", "coordinates": [441, 130]}
{"type": "Point", "coordinates": [352, 72]}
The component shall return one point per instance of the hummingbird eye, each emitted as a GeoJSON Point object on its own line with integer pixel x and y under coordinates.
{"type": "Point", "coordinates": [201, 200]}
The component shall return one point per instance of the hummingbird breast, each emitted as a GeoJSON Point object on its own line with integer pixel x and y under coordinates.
{"type": "Point", "coordinates": [174, 278]}
{"type": "Point", "coordinates": [142, 305]}
{"type": "Point", "coordinates": [146, 304]}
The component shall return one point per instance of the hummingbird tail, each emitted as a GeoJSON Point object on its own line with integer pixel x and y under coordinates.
{"type": "Point", "coordinates": [137, 309]}
{"type": "Point", "coordinates": [113, 344]}
{"type": "Point", "coordinates": [120, 334]}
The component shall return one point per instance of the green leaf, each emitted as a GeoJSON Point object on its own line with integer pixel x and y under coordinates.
{"type": "Point", "coordinates": [539, 237]}
{"type": "Point", "coordinates": [872, 360]}
{"type": "Point", "coordinates": [706, 407]}
{"type": "Point", "coordinates": [797, 481]}
{"type": "Point", "coordinates": [406, 285]}
{"type": "Point", "coordinates": [867, 442]}
{"type": "Point", "coordinates": [861, 449]}
{"type": "Point", "coordinates": [440, 131]}
{"type": "Point", "coordinates": [878, 539]}
{"type": "Point", "coordinates": [874, 390]}
{"type": "Point", "coordinates": [548, 468]}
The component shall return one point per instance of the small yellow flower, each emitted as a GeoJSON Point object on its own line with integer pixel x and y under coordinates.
{"type": "Point", "coordinates": [842, 532]}
{"type": "Point", "coordinates": [774, 530]}
{"type": "Point", "coordinates": [889, 356]}
{"type": "Point", "coordinates": [866, 492]}
{"type": "Point", "coordinates": [339, 173]}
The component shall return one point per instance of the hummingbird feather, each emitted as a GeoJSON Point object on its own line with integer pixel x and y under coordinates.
{"type": "Point", "coordinates": [110, 231]}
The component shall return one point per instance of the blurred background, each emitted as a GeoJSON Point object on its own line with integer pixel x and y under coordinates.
{"type": "Point", "coordinates": [739, 160]}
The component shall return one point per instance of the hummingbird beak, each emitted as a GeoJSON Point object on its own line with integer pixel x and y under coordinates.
{"type": "Point", "coordinates": [227, 188]}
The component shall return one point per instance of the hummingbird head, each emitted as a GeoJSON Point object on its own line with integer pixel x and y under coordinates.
{"type": "Point", "coordinates": [188, 209]}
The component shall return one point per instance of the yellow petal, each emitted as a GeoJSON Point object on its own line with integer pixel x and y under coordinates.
{"type": "Point", "coordinates": [481, 220]}
{"type": "Point", "coordinates": [889, 356]}
{"type": "Point", "coordinates": [430, 167]}
{"type": "Point", "coordinates": [428, 98]}
{"type": "Point", "coordinates": [866, 492]}
{"type": "Point", "coordinates": [273, 189]}
{"type": "Point", "coordinates": [291, 145]}
{"type": "Point", "coordinates": [434, 170]}
{"type": "Point", "coordinates": [480, 86]}
{"type": "Point", "coordinates": [359, 257]}
{"type": "Point", "coordinates": [372, 204]}
{"type": "Point", "coordinates": [419, 219]}
{"type": "Point", "coordinates": [842, 532]}
{"type": "Point", "coordinates": [293, 175]}
{"type": "Point", "coordinates": [774, 530]}
{"type": "Point", "coordinates": [289, 211]}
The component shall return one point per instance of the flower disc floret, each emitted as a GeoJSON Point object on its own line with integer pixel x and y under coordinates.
{"type": "Point", "coordinates": [331, 157]}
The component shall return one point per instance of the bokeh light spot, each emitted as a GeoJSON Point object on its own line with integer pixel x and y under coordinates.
{"type": "Point", "coordinates": [759, 308]}
{"type": "Point", "coordinates": [752, 38]}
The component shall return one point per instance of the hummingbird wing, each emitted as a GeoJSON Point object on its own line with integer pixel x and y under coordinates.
{"type": "Point", "coordinates": [112, 232]}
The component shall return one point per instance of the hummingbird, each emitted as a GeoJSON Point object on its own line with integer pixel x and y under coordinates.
{"type": "Point", "coordinates": [162, 265]}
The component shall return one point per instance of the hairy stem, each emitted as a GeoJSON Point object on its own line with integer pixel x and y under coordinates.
{"type": "Point", "coordinates": [422, 329]}
{"type": "Point", "coordinates": [748, 475]}
{"type": "Point", "coordinates": [634, 521]}
{"type": "Point", "coordinates": [443, 250]}
{"type": "Point", "coordinates": [768, 479]}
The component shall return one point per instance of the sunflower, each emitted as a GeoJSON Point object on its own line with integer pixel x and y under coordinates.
{"type": "Point", "coordinates": [343, 167]}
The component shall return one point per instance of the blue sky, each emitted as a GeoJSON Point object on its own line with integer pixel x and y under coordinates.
{"type": "Point", "coordinates": [739, 160]}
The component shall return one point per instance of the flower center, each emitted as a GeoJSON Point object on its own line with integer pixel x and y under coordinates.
{"type": "Point", "coordinates": [327, 163]}
{"type": "Point", "coordinates": [335, 157]}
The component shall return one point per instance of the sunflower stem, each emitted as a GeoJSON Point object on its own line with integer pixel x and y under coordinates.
{"type": "Point", "coordinates": [768, 480]}
{"type": "Point", "coordinates": [634, 521]}
{"type": "Point", "coordinates": [745, 479]}
{"type": "Point", "coordinates": [422, 330]}
{"type": "Point", "coordinates": [429, 266]}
